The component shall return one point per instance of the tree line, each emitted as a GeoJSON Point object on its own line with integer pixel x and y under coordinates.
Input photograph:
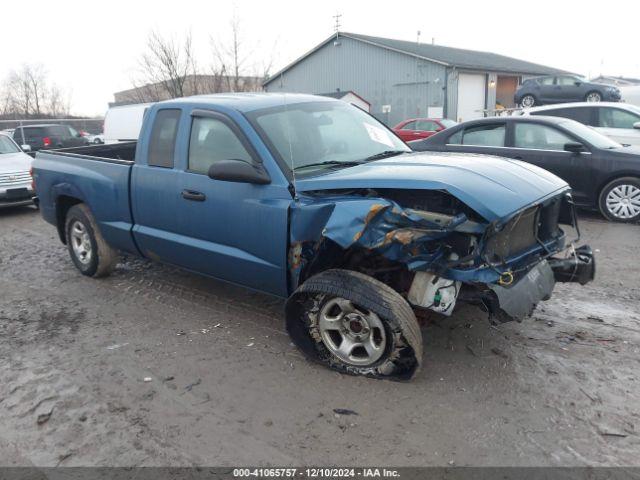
{"type": "Point", "coordinates": [27, 92]}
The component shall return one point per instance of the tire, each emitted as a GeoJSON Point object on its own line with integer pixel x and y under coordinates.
{"type": "Point", "coordinates": [619, 200]}
{"type": "Point", "coordinates": [387, 324]}
{"type": "Point", "coordinates": [528, 101]}
{"type": "Point", "coordinates": [82, 235]}
{"type": "Point", "coordinates": [593, 97]}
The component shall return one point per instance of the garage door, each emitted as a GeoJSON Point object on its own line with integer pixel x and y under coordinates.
{"type": "Point", "coordinates": [471, 91]}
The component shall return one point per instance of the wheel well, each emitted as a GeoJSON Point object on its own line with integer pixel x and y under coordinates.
{"type": "Point", "coordinates": [331, 256]}
{"type": "Point", "coordinates": [612, 179]}
{"type": "Point", "coordinates": [63, 204]}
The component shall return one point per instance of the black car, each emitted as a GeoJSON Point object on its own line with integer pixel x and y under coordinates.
{"type": "Point", "coordinates": [601, 172]}
{"type": "Point", "coordinates": [41, 137]}
{"type": "Point", "coordinates": [563, 88]}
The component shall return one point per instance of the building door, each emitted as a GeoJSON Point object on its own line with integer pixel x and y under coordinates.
{"type": "Point", "coordinates": [471, 96]}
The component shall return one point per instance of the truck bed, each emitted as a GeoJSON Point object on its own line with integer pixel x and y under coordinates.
{"type": "Point", "coordinates": [124, 151]}
{"type": "Point", "coordinates": [96, 175]}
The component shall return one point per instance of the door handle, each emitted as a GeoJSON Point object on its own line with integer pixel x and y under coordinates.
{"type": "Point", "coordinates": [193, 195]}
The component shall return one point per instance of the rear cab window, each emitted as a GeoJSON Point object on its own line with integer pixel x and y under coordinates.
{"type": "Point", "coordinates": [162, 142]}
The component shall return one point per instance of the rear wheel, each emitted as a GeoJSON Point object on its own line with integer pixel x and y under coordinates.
{"type": "Point", "coordinates": [528, 101]}
{"type": "Point", "coordinates": [593, 97]}
{"type": "Point", "coordinates": [89, 251]}
{"type": "Point", "coordinates": [355, 324]}
{"type": "Point", "coordinates": [620, 200]}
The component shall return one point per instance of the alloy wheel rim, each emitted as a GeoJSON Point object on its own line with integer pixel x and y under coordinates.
{"type": "Point", "coordinates": [354, 335]}
{"type": "Point", "coordinates": [527, 101]}
{"type": "Point", "coordinates": [593, 97]}
{"type": "Point", "coordinates": [81, 243]}
{"type": "Point", "coordinates": [623, 201]}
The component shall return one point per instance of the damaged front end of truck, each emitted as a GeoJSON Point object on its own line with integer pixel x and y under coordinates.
{"type": "Point", "coordinates": [437, 251]}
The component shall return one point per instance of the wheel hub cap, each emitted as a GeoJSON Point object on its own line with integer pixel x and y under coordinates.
{"type": "Point", "coordinates": [81, 243]}
{"type": "Point", "coordinates": [623, 201]}
{"type": "Point", "coordinates": [354, 335]}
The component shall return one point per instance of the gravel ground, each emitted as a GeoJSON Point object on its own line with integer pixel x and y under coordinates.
{"type": "Point", "coordinates": [156, 366]}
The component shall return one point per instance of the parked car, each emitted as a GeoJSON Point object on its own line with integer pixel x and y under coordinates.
{"type": "Point", "coordinates": [123, 123]}
{"type": "Point", "coordinates": [313, 199]}
{"type": "Point", "coordinates": [417, 128]}
{"type": "Point", "coordinates": [601, 172]}
{"type": "Point", "coordinates": [563, 88]}
{"type": "Point", "coordinates": [45, 136]}
{"type": "Point", "coordinates": [15, 177]}
{"type": "Point", "coordinates": [96, 139]}
{"type": "Point", "coordinates": [618, 121]}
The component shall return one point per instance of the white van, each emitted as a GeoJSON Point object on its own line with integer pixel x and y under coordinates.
{"type": "Point", "coordinates": [122, 124]}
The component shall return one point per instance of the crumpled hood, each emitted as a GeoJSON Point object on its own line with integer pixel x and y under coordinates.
{"type": "Point", "coordinates": [14, 162]}
{"type": "Point", "coordinates": [495, 187]}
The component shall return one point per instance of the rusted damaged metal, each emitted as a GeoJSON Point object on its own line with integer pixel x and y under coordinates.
{"type": "Point", "coordinates": [494, 258]}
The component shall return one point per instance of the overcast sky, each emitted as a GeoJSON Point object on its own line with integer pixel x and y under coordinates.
{"type": "Point", "coordinates": [92, 48]}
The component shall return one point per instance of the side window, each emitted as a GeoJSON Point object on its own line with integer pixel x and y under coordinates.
{"type": "Point", "coordinates": [410, 126]}
{"type": "Point", "coordinates": [546, 81]}
{"type": "Point", "coordinates": [427, 126]}
{"type": "Point", "coordinates": [211, 141]}
{"type": "Point", "coordinates": [565, 81]}
{"type": "Point", "coordinates": [616, 118]}
{"type": "Point", "coordinates": [579, 114]}
{"type": "Point", "coordinates": [540, 137]}
{"type": "Point", "coordinates": [163, 138]}
{"type": "Point", "coordinates": [484, 136]}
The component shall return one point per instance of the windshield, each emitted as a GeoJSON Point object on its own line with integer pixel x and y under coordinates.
{"type": "Point", "coordinates": [7, 145]}
{"type": "Point", "coordinates": [590, 135]}
{"type": "Point", "coordinates": [318, 136]}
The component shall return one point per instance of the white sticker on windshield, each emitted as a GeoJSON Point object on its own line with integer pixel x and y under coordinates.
{"type": "Point", "coordinates": [379, 135]}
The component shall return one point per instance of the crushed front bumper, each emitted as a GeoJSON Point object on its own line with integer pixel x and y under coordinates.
{"type": "Point", "coordinates": [518, 300]}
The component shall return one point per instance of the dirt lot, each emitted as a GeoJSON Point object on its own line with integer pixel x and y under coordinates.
{"type": "Point", "coordinates": [226, 387]}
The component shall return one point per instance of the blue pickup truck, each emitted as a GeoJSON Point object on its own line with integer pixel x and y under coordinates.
{"type": "Point", "coordinates": [313, 200]}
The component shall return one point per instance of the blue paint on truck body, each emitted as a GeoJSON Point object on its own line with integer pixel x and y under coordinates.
{"type": "Point", "coordinates": [262, 236]}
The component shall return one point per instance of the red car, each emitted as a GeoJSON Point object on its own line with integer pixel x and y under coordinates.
{"type": "Point", "coordinates": [417, 128]}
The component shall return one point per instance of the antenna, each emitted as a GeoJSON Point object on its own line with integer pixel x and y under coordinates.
{"type": "Point", "coordinates": [418, 36]}
{"type": "Point", "coordinates": [337, 25]}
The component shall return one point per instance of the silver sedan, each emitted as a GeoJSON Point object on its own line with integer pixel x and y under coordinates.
{"type": "Point", "coordinates": [15, 178]}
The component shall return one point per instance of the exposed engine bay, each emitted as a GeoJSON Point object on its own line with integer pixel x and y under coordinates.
{"type": "Point", "coordinates": [436, 250]}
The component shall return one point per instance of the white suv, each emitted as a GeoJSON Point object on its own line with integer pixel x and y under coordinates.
{"type": "Point", "coordinates": [15, 178]}
{"type": "Point", "coordinates": [618, 121]}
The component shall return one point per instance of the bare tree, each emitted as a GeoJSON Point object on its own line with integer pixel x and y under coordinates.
{"type": "Point", "coordinates": [233, 61]}
{"type": "Point", "coordinates": [165, 67]}
{"type": "Point", "coordinates": [26, 91]}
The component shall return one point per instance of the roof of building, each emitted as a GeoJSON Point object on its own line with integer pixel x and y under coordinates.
{"type": "Point", "coordinates": [448, 56]}
{"type": "Point", "coordinates": [341, 94]}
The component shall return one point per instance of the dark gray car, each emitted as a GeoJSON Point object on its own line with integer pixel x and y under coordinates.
{"type": "Point", "coordinates": [563, 88]}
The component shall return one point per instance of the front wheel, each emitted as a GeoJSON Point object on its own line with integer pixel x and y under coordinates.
{"type": "Point", "coordinates": [593, 97]}
{"type": "Point", "coordinates": [355, 324]}
{"type": "Point", "coordinates": [620, 200]}
{"type": "Point", "coordinates": [528, 101]}
{"type": "Point", "coordinates": [89, 251]}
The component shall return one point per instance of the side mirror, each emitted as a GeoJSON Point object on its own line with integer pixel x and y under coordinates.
{"type": "Point", "coordinates": [239, 171]}
{"type": "Point", "coordinates": [636, 125]}
{"type": "Point", "coordinates": [574, 147]}
{"type": "Point", "coordinates": [577, 84]}
{"type": "Point", "coordinates": [27, 148]}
